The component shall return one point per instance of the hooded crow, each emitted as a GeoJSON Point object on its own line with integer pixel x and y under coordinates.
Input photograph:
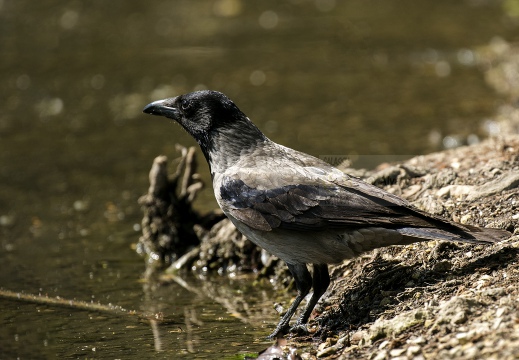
{"type": "Point", "coordinates": [296, 206]}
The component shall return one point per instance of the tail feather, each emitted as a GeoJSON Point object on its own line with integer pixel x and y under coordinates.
{"type": "Point", "coordinates": [488, 234]}
{"type": "Point", "coordinates": [473, 234]}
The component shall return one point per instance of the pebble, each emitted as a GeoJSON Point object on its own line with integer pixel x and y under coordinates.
{"type": "Point", "coordinates": [358, 336]}
{"type": "Point", "coordinates": [327, 352]}
{"type": "Point", "coordinates": [455, 191]}
{"type": "Point", "coordinates": [420, 340]}
{"type": "Point", "coordinates": [493, 292]}
{"type": "Point", "coordinates": [396, 352]}
{"type": "Point", "coordinates": [465, 218]}
{"type": "Point", "coordinates": [413, 350]}
{"type": "Point", "coordinates": [500, 312]}
{"type": "Point", "coordinates": [383, 344]}
{"type": "Point", "coordinates": [381, 355]}
{"type": "Point", "coordinates": [323, 346]}
{"type": "Point", "coordinates": [462, 338]}
{"type": "Point", "coordinates": [442, 266]}
{"type": "Point", "coordinates": [471, 352]}
{"type": "Point", "coordinates": [455, 351]}
{"type": "Point", "coordinates": [459, 318]}
{"type": "Point", "coordinates": [497, 322]}
{"type": "Point", "coordinates": [325, 349]}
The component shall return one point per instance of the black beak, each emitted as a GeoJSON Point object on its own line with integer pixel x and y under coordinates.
{"type": "Point", "coordinates": [163, 108]}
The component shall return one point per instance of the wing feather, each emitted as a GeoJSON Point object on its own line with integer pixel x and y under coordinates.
{"type": "Point", "coordinates": [347, 204]}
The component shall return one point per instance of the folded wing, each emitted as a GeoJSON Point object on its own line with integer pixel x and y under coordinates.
{"type": "Point", "coordinates": [350, 204]}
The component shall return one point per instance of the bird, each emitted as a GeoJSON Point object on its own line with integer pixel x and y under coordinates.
{"type": "Point", "coordinates": [297, 206]}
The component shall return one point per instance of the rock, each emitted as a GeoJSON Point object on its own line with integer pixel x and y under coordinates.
{"type": "Point", "coordinates": [455, 311]}
{"type": "Point", "coordinates": [384, 328]}
{"type": "Point", "coordinates": [358, 336]}
{"type": "Point", "coordinates": [413, 350]}
{"type": "Point", "coordinates": [493, 292]}
{"type": "Point", "coordinates": [455, 191]}
{"type": "Point", "coordinates": [465, 218]}
{"type": "Point", "coordinates": [442, 266]}
{"type": "Point", "coordinates": [327, 351]}
{"type": "Point", "coordinates": [380, 355]}
{"type": "Point", "coordinates": [396, 352]}
{"type": "Point", "coordinates": [430, 204]}
{"type": "Point", "coordinates": [507, 182]}
{"type": "Point", "coordinates": [459, 318]}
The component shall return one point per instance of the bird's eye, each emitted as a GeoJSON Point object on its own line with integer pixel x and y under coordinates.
{"type": "Point", "coordinates": [185, 104]}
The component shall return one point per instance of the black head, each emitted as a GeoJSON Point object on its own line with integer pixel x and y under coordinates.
{"type": "Point", "coordinates": [209, 116]}
{"type": "Point", "coordinates": [198, 112]}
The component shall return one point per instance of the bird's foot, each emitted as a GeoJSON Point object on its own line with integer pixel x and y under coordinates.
{"type": "Point", "coordinates": [299, 329]}
{"type": "Point", "coordinates": [280, 330]}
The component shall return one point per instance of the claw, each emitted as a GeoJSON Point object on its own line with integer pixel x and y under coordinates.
{"type": "Point", "coordinates": [299, 329]}
{"type": "Point", "coordinates": [279, 332]}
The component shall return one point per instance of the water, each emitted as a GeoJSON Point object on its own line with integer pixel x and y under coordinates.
{"type": "Point", "coordinates": [367, 78]}
{"type": "Point", "coordinates": [215, 318]}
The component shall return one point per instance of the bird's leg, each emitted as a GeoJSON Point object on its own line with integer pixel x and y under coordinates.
{"type": "Point", "coordinates": [303, 281]}
{"type": "Point", "coordinates": [320, 282]}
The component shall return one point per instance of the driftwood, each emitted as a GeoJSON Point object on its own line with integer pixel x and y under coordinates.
{"type": "Point", "coordinates": [170, 226]}
{"type": "Point", "coordinates": [176, 236]}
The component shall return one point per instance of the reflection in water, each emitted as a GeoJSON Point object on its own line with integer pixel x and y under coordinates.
{"type": "Point", "coordinates": [351, 79]}
{"type": "Point", "coordinates": [206, 310]}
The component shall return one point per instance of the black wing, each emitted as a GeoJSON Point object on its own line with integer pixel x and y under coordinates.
{"type": "Point", "coordinates": [318, 207]}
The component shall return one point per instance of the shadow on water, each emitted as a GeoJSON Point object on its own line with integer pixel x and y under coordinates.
{"type": "Point", "coordinates": [325, 77]}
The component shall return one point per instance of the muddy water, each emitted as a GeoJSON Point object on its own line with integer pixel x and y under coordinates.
{"type": "Point", "coordinates": [330, 78]}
